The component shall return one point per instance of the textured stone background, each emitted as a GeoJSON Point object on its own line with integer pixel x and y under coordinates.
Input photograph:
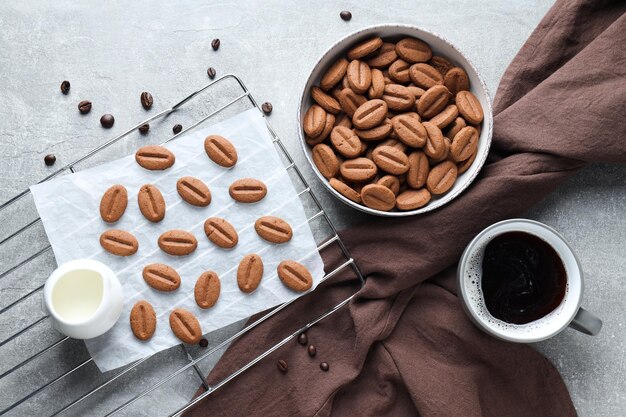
{"type": "Point", "coordinates": [111, 51]}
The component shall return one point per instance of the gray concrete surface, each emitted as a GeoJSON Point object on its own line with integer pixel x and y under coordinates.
{"type": "Point", "coordinates": [111, 51]}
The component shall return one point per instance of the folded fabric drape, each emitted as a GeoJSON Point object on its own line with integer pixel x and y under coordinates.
{"type": "Point", "coordinates": [403, 346]}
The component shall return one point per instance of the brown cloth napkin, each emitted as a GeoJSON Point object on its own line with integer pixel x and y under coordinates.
{"type": "Point", "coordinates": [403, 346]}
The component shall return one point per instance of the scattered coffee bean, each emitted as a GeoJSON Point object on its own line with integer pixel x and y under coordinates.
{"type": "Point", "coordinates": [345, 15]}
{"type": "Point", "coordinates": [303, 339]}
{"type": "Point", "coordinates": [177, 128]}
{"type": "Point", "coordinates": [65, 87]}
{"type": "Point", "coordinates": [324, 366]}
{"type": "Point", "coordinates": [146, 100]}
{"type": "Point", "coordinates": [211, 72]}
{"type": "Point", "coordinates": [267, 107]}
{"type": "Point", "coordinates": [49, 159]}
{"type": "Point", "coordinates": [144, 128]}
{"type": "Point", "coordinates": [204, 343]}
{"type": "Point", "coordinates": [312, 350]}
{"type": "Point", "coordinates": [215, 44]}
{"type": "Point", "coordinates": [84, 107]}
{"type": "Point", "coordinates": [282, 366]}
{"type": "Point", "coordinates": [107, 121]}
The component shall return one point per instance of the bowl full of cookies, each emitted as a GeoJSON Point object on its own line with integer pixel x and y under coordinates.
{"type": "Point", "coordinates": [395, 120]}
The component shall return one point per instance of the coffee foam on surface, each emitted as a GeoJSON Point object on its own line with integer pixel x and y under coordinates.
{"type": "Point", "coordinates": [472, 284]}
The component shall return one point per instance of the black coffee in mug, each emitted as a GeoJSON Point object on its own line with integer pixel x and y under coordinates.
{"type": "Point", "coordinates": [523, 278]}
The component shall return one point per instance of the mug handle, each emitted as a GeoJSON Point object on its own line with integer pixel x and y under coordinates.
{"type": "Point", "coordinates": [586, 322]}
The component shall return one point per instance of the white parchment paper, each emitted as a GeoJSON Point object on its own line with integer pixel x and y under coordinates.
{"type": "Point", "coordinates": [69, 210]}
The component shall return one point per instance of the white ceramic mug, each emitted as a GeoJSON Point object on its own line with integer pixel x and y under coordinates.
{"type": "Point", "coordinates": [84, 298]}
{"type": "Point", "coordinates": [567, 313]}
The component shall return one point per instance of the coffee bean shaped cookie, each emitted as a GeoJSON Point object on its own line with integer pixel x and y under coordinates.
{"type": "Point", "coordinates": [119, 242]}
{"type": "Point", "coordinates": [221, 232]}
{"type": "Point", "coordinates": [247, 190]}
{"type": "Point", "coordinates": [345, 190]}
{"type": "Point", "coordinates": [161, 277]}
{"type": "Point", "coordinates": [345, 141]}
{"type": "Point", "coordinates": [151, 203]}
{"type": "Point", "coordinates": [143, 320]}
{"type": "Point", "coordinates": [295, 275]}
{"type": "Point", "coordinates": [413, 50]}
{"type": "Point", "coordinates": [273, 229]}
{"type": "Point", "coordinates": [154, 157]}
{"type": "Point", "coordinates": [469, 107]}
{"type": "Point", "coordinates": [412, 199]}
{"type": "Point", "coordinates": [113, 203]}
{"type": "Point", "coordinates": [441, 178]}
{"type": "Point", "coordinates": [207, 289]}
{"type": "Point", "coordinates": [370, 114]}
{"type": "Point", "coordinates": [185, 326]}
{"type": "Point", "coordinates": [325, 160]}
{"type": "Point", "coordinates": [365, 48]}
{"type": "Point", "coordinates": [220, 150]}
{"type": "Point", "coordinates": [334, 74]}
{"type": "Point", "coordinates": [194, 191]}
{"type": "Point", "coordinates": [383, 57]}
{"type": "Point", "coordinates": [433, 101]}
{"type": "Point", "coordinates": [177, 242]}
{"type": "Point", "coordinates": [378, 197]}
{"type": "Point", "coordinates": [250, 273]}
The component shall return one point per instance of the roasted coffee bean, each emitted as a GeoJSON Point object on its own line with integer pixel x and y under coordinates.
{"type": "Point", "coordinates": [350, 101]}
{"type": "Point", "coordinates": [377, 88]}
{"type": "Point", "coordinates": [379, 132]}
{"type": "Point", "coordinates": [119, 242]}
{"type": "Point", "coordinates": [107, 121]}
{"type": "Point", "coordinates": [345, 141]}
{"type": "Point", "coordinates": [143, 320]}
{"type": "Point", "coordinates": [390, 181]}
{"type": "Point", "coordinates": [456, 80]}
{"type": "Point", "coordinates": [84, 107]}
{"type": "Point", "coordinates": [334, 74]}
{"type": "Point", "coordinates": [391, 160]}
{"type": "Point", "coordinates": [358, 169]}
{"type": "Point", "coordinates": [267, 108]}
{"type": "Point", "coordinates": [49, 159]}
{"type": "Point", "coordinates": [399, 71]}
{"type": "Point", "coordinates": [273, 229]}
{"type": "Point", "coordinates": [220, 150]}
{"type": "Point", "coordinates": [247, 190]}
{"type": "Point", "coordinates": [282, 366]}
{"type": "Point", "coordinates": [177, 129]}
{"type": "Point", "coordinates": [113, 203]}
{"type": "Point", "coordinates": [464, 144]}
{"type": "Point", "coordinates": [185, 326]}
{"type": "Point", "coordinates": [250, 273]}
{"type": "Point", "coordinates": [425, 76]}
{"type": "Point", "coordinates": [409, 130]}
{"type": "Point", "coordinates": [398, 97]}
{"type": "Point", "coordinates": [412, 199]}
{"type": "Point", "coordinates": [469, 107]}
{"type": "Point", "coordinates": [303, 339]}
{"type": "Point", "coordinates": [383, 57]}
{"type": "Point", "coordinates": [312, 351]}
{"type": "Point", "coordinates": [345, 190]}
{"type": "Point", "coordinates": [207, 289]}
{"type": "Point", "coordinates": [151, 203]}
{"type": "Point", "coordinates": [65, 87]}
{"type": "Point", "coordinates": [177, 242]}
{"type": "Point", "coordinates": [146, 100]}
{"type": "Point", "coordinates": [203, 343]}
{"type": "Point", "coordinates": [194, 191]}
{"type": "Point", "coordinates": [441, 64]}
{"type": "Point", "coordinates": [221, 232]}
{"type": "Point", "coordinates": [211, 72]}
{"type": "Point", "coordinates": [161, 277]}
{"type": "Point", "coordinates": [365, 48]}
{"type": "Point", "coordinates": [324, 366]}
{"type": "Point", "coordinates": [435, 147]}
{"type": "Point", "coordinates": [154, 157]}
{"type": "Point", "coordinates": [325, 160]}
{"type": "Point", "coordinates": [433, 101]}
{"type": "Point", "coordinates": [215, 44]}
{"type": "Point", "coordinates": [413, 50]}
{"type": "Point", "coordinates": [445, 117]}
{"type": "Point", "coordinates": [144, 128]}
{"type": "Point", "coordinates": [359, 76]}
{"type": "Point", "coordinates": [295, 275]}
{"type": "Point", "coordinates": [314, 120]}
{"type": "Point", "coordinates": [370, 114]}
{"type": "Point", "coordinates": [441, 178]}
{"type": "Point", "coordinates": [378, 197]}
{"type": "Point", "coordinates": [345, 15]}
{"type": "Point", "coordinates": [418, 170]}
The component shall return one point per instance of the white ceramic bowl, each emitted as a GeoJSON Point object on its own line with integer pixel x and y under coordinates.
{"type": "Point", "coordinates": [440, 46]}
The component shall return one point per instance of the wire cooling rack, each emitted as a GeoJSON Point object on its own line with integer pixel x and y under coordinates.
{"type": "Point", "coordinates": [43, 373]}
